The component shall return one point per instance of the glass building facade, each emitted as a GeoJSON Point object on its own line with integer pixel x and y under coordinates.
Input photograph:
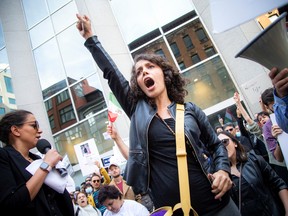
{"type": "Point", "coordinates": [73, 93]}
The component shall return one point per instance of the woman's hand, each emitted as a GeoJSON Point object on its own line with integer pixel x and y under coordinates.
{"type": "Point", "coordinates": [221, 183]}
{"type": "Point", "coordinates": [84, 26]}
{"type": "Point", "coordinates": [276, 130]}
{"type": "Point", "coordinates": [52, 157]}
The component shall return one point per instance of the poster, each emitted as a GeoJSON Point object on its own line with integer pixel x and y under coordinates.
{"type": "Point", "coordinates": [87, 153]}
{"type": "Point", "coordinates": [255, 87]}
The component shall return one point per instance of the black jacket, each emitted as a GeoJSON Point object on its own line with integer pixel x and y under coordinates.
{"type": "Point", "coordinates": [14, 195]}
{"type": "Point", "coordinates": [264, 187]}
{"type": "Point", "coordinates": [197, 128]}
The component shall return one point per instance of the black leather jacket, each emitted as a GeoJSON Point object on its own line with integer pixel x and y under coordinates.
{"type": "Point", "coordinates": [197, 128]}
{"type": "Point", "coordinates": [264, 184]}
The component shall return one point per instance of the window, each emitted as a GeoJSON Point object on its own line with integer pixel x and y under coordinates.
{"type": "Point", "coordinates": [2, 111]}
{"type": "Point", "coordinates": [160, 52]}
{"type": "Point", "coordinates": [48, 104]}
{"type": "Point", "coordinates": [182, 65]}
{"type": "Point", "coordinates": [201, 35]}
{"type": "Point", "coordinates": [12, 101]}
{"type": "Point", "coordinates": [1, 99]}
{"type": "Point", "coordinates": [188, 42]}
{"type": "Point", "coordinates": [8, 83]}
{"type": "Point", "coordinates": [195, 59]}
{"type": "Point", "coordinates": [51, 121]}
{"type": "Point", "coordinates": [66, 114]}
{"type": "Point", "coordinates": [210, 51]}
{"type": "Point", "coordinates": [63, 96]}
{"type": "Point", "coordinates": [175, 49]}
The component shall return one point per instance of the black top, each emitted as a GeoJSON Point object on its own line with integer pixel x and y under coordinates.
{"type": "Point", "coordinates": [164, 181]}
{"type": "Point", "coordinates": [259, 188]}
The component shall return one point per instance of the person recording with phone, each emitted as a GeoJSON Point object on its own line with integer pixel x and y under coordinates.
{"type": "Point", "coordinates": [21, 192]}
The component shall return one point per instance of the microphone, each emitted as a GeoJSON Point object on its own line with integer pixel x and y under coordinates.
{"type": "Point", "coordinates": [43, 147]}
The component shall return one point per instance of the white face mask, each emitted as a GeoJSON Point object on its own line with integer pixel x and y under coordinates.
{"type": "Point", "coordinates": [238, 134]}
{"type": "Point", "coordinates": [88, 190]}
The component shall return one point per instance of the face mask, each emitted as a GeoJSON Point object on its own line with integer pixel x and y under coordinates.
{"type": "Point", "coordinates": [88, 190]}
{"type": "Point", "coordinates": [238, 134]}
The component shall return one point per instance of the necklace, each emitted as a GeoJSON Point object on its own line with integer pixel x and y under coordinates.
{"type": "Point", "coordinates": [29, 159]}
{"type": "Point", "coordinates": [157, 115]}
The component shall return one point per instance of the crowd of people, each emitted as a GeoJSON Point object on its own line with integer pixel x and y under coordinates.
{"type": "Point", "coordinates": [236, 168]}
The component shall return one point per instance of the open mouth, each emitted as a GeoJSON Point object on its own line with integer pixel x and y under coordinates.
{"type": "Point", "coordinates": [149, 82]}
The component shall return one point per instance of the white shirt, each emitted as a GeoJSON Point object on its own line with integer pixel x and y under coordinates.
{"type": "Point", "coordinates": [129, 208]}
{"type": "Point", "coordinates": [87, 211]}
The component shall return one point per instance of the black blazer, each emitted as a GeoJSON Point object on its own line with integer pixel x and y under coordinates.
{"type": "Point", "coordinates": [14, 195]}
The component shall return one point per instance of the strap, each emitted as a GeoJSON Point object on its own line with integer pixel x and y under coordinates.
{"type": "Point", "coordinates": [182, 163]}
{"type": "Point", "coordinates": [77, 211]}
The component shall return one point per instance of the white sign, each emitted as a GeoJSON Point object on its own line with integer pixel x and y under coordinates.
{"type": "Point", "coordinates": [255, 87]}
{"type": "Point", "coordinates": [226, 14]}
{"type": "Point", "coordinates": [282, 139]}
{"type": "Point", "coordinates": [87, 153]}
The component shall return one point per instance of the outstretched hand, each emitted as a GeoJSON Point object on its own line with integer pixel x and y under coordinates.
{"type": "Point", "coordinates": [84, 26]}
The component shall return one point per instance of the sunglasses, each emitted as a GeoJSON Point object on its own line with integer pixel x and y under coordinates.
{"type": "Point", "coordinates": [229, 130]}
{"type": "Point", "coordinates": [34, 124]}
{"type": "Point", "coordinates": [96, 181]}
{"type": "Point", "coordinates": [225, 142]}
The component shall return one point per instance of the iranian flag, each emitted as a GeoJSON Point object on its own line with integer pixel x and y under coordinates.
{"type": "Point", "coordinates": [229, 116]}
{"type": "Point", "coordinates": [114, 108]}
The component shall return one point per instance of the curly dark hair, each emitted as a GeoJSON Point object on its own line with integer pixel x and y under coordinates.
{"type": "Point", "coordinates": [108, 192]}
{"type": "Point", "coordinates": [241, 154]}
{"type": "Point", "coordinates": [17, 117]}
{"type": "Point", "coordinates": [174, 82]}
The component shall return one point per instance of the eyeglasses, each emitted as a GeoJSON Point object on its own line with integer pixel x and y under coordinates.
{"type": "Point", "coordinates": [229, 130]}
{"type": "Point", "coordinates": [35, 124]}
{"type": "Point", "coordinates": [96, 181]}
{"type": "Point", "coordinates": [225, 142]}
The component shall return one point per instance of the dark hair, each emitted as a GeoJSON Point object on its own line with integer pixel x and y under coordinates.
{"type": "Point", "coordinates": [228, 124]}
{"type": "Point", "coordinates": [174, 82]}
{"type": "Point", "coordinates": [241, 154]}
{"type": "Point", "coordinates": [17, 117]}
{"type": "Point", "coordinates": [108, 192]}
{"type": "Point", "coordinates": [263, 113]}
{"type": "Point", "coordinates": [218, 126]}
{"type": "Point", "coordinates": [87, 185]}
{"type": "Point", "coordinates": [267, 96]}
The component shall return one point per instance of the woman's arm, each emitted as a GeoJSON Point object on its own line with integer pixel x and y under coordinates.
{"type": "Point", "coordinates": [241, 109]}
{"type": "Point", "coordinates": [123, 148]}
{"type": "Point", "coordinates": [12, 190]}
{"type": "Point", "coordinates": [117, 82]}
{"type": "Point", "coordinates": [283, 194]}
{"type": "Point", "coordinates": [103, 172]}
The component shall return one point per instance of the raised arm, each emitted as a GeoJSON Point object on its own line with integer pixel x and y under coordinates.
{"type": "Point", "coordinates": [241, 109]}
{"type": "Point", "coordinates": [116, 81]}
{"type": "Point", "coordinates": [123, 148]}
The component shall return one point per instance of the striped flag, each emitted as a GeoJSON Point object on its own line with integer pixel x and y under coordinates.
{"type": "Point", "coordinates": [114, 108]}
{"type": "Point", "coordinates": [229, 116]}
